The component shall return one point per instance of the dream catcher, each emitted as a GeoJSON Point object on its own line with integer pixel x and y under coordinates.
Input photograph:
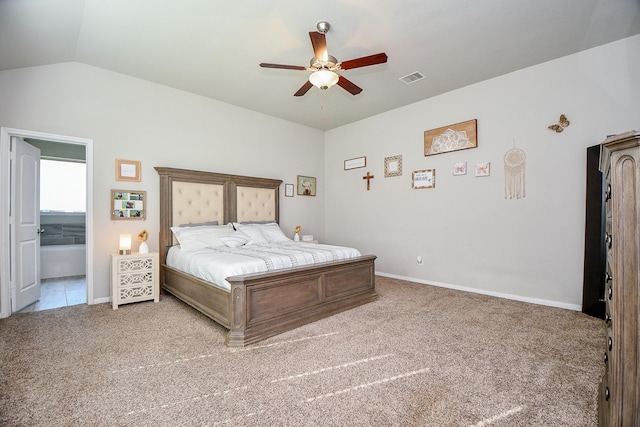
{"type": "Point", "coordinates": [514, 173]}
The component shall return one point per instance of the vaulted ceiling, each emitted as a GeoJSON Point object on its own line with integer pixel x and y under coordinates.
{"type": "Point", "coordinates": [213, 47]}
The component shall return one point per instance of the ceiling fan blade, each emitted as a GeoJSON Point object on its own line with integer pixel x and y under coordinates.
{"type": "Point", "coordinates": [319, 43]}
{"type": "Point", "coordinates": [304, 89]}
{"type": "Point", "coordinates": [349, 86]}
{"type": "Point", "coordinates": [378, 58]}
{"type": "Point", "coordinates": [286, 67]}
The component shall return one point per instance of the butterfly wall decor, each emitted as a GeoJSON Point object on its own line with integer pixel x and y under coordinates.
{"type": "Point", "coordinates": [562, 123]}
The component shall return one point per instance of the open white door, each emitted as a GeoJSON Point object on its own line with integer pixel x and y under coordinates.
{"type": "Point", "coordinates": [25, 230]}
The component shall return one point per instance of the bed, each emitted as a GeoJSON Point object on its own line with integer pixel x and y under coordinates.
{"type": "Point", "coordinates": [255, 306]}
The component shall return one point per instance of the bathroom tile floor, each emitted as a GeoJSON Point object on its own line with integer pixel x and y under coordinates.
{"type": "Point", "coordinates": [59, 292]}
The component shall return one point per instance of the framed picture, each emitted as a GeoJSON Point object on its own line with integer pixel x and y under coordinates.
{"type": "Point", "coordinates": [127, 170]}
{"type": "Point", "coordinates": [423, 179]}
{"type": "Point", "coordinates": [288, 190]}
{"type": "Point", "coordinates": [392, 166]}
{"type": "Point", "coordinates": [451, 138]}
{"type": "Point", "coordinates": [127, 204]}
{"type": "Point", "coordinates": [482, 169]}
{"type": "Point", "coordinates": [306, 186]}
{"type": "Point", "coordinates": [460, 168]}
{"type": "Point", "coordinates": [358, 162]}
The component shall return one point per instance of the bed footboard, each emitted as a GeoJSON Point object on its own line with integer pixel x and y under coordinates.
{"type": "Point", "coordinates": [264, 305]}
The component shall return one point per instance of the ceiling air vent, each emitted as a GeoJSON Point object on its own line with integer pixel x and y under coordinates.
{"type": "Point", "coordinates": [412, 78]}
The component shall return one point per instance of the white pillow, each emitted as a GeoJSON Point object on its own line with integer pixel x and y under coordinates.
{"type": "Point", "coordinates": [200, 237]}
{"type": "Point", "coordinates": [235, 239]}
{"type": "Point", "coordinates": [254, 234]}
{"type": "Point", "coordinates": [272, 232]}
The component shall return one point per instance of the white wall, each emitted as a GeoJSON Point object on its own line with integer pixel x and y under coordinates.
{"type": "Point", "coordinates": [133, 119]}
{"type": "Point", "coordinates": [469, 235]}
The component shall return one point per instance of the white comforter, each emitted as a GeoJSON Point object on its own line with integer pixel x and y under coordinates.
{"type": "Point", "coordinates": [217, 263]}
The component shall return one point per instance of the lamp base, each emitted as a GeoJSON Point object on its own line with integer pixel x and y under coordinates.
{"type": "Point", "coordinates": [125, 251]}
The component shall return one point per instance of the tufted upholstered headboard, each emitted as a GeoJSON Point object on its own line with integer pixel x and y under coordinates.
{"type": "Point", "coordinates": [188, 197]}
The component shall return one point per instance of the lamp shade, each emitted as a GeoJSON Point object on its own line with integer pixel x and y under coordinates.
{"type": "Point", "coordinates": [125, 244]}
{"type": "Point", "coordinates": [323, 79]}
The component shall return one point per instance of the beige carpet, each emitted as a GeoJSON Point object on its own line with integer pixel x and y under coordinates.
{"type": "Point", "coordinates": [420, 356]}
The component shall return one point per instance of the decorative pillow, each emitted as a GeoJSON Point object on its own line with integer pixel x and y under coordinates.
{"type": "Point", "coordinates": [235, 239]}
{"type": "Point", "coordinates": [200, 237]}
{"type": "Point", "coordinates": [273, 233]}
{"type": "Point", "coordinates": [254, 234]}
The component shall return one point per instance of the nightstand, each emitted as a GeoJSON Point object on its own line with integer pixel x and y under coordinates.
{"type": "Point", "coordinates": [309, 241]}
{"type": "Point", "coordinates": [134, 277]}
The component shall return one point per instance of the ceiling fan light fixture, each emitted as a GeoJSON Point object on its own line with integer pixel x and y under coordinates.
{"type": "Point", "coordinates": [323, 79]}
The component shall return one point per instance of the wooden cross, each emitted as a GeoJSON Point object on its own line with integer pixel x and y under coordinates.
{"type": "Point", "coordinates": [369, 177]}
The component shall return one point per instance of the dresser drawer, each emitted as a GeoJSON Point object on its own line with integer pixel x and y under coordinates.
{"type": "Point", "coordinates": [127, 263]}
{"type": "Point", "coordinates": [604, 401]}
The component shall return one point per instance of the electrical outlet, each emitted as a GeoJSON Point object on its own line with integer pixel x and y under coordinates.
{"type": "Point", "coordinates": [420, 260]}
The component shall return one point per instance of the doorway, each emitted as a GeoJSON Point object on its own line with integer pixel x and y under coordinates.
{"type": "Point", "coordinates": [60, 144]}
{"type": "Point", "coordinates": [62, 226]}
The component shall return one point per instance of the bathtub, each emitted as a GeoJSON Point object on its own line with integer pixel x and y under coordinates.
{"type": "Point", "coordinates": [62, 261]}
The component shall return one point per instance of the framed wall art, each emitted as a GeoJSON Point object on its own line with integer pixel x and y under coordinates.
{"type": "Point", "coordinates": [423, 179]}
{"type": "Point", "coordinates": [460, 168]}
{"type": "Point", "coordinates": [392, 166]}
{"type": "Point", "coordinates": [482, 169]}
{"type": "Point", "coordinates": [288, 190]}
{"type": "Point", "coordinates": [306, 186]}
{"type": "Point", "coordinates": [358, 162]}
{"type": "Point", "coordinates": [127, 170]}
{"type": "Point", "coordinates": [460, 136]}
{"type": "Point", "coordinates": [128, 204]}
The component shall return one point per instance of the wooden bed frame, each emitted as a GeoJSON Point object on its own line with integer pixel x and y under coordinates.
{"type": "Point", "coordinates": [259, 305]}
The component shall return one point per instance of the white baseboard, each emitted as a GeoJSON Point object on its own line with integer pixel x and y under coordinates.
{"type": "Point", "coordinates": [538, 301]}
{"type": "Point", "coordinates": [101, 300]}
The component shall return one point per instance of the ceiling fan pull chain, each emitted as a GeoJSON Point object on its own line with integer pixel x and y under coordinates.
{"type": "Point", "coordinates": [323, 116]}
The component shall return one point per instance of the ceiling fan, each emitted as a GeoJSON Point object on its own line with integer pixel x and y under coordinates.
{"type": "Point", "coordinates": [324, 67]}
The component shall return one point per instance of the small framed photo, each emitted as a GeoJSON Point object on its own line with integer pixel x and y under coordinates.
{"type": "Point", "coordinates": [358, 162]}
{"type": "Point", "coordinates": [392, 166]}
{"type": "Point", "coordinates": [128, 204]}
{"type": "Point", "coordinates": [460, 168]}
{"type": "Point", "coordinates": [288, 190]}
{"type": "Point", "coordinates": [423, 179]}
{"type": "Point", "coordinates": [127, 170]}
{"type": "Point", "coordinates": [482, 169]}
{"type": "Point", "coordinates": [306, 186]}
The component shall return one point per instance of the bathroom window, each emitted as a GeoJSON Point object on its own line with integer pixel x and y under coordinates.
{"type": "Point", "coordinates": [62, 202]}
{"type": "Point", "coordinates": [62, 186]}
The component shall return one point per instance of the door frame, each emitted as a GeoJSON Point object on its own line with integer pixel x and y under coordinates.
{"type": "Point", "coordinates": [5, 197]}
